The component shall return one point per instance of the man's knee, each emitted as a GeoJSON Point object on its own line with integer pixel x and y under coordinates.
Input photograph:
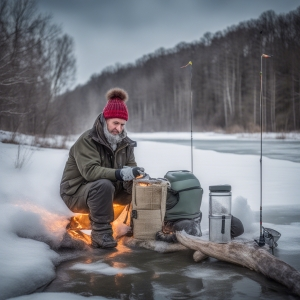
{"type": "Point", "coordinates": [103, 188]}
{"type": "Point", "coordinates": [100, 203]}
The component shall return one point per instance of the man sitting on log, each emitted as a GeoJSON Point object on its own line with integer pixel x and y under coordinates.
{"type": "Point", "coordinates": [100, 169]}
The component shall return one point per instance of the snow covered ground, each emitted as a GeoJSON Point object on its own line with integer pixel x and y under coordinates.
{"type": "Point", "coordinates": [33, 217]}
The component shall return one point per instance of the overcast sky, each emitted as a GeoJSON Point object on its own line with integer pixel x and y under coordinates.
{"type": "Point", "coordinates": [107, 32]}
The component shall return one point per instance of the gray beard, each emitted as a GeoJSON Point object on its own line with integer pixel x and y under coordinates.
{"type": "Point", "coordinates": [112, 139]}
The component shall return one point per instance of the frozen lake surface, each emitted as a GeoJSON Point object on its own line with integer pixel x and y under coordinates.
{"type": "Point", "coordinates": [125, 273]}
{"type": "Point", "coordinates": [275, 148]}
{"type": "Point", "coordinates": [176, 275]}
{"type": "Point", "coordinates": [33, 220]}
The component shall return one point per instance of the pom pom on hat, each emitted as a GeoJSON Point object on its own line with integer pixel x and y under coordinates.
{"type": "Point", "coordinates": [115, 106]}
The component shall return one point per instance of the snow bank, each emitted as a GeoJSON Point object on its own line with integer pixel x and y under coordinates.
{"type": "Point", "coordinates": [26, 263]}
{"type": "Point", "coordinates": [32, 217]}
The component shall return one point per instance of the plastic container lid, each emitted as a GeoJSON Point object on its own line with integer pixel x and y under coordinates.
{"type": "Point", "coordinates": [220, 188]}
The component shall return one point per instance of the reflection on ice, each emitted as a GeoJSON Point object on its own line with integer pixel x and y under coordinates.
{"type": "Point", "coordinates": [248, 287]}
{"type": "Point", "coordinates": [105, 269]}
{"type": "Point", "coordinates": [207, 273]}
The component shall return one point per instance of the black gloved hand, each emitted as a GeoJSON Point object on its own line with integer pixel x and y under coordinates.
{"type": "Point", "coordinates": [129, 173]}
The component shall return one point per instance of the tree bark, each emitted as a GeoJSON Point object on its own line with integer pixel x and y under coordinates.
{"type": "Point", "coordinates": [154, 245]}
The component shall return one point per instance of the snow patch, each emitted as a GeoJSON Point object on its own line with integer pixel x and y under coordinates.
{"type": "Point", "coordinates": [60, 296]}
{"type": "Point", "coordinates": [241, 209]}
{"type": "Point", "coordinates": [208, 274]}
{"type": "Point", "coordinates": [102, 268]}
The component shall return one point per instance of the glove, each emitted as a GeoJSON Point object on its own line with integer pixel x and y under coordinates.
{"type": "Point", "coordinates": [129, 173]}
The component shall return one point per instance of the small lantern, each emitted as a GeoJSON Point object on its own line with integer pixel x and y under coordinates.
{"type": "Point", "coordinates": [220, 213]}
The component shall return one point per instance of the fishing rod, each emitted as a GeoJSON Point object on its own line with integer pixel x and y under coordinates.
{"type": "Point", "coordinates": [191, 109]}
{"type": "Point", "coordinates": [261, 241]}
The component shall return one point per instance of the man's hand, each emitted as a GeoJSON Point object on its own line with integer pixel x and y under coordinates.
{"type": "Point", "coordinates": [129, 173]}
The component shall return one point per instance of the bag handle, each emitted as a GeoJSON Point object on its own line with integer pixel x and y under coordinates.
{"type": "Point", "coordinates": [223, 225]}
{"type": "Point", "coordinates": [184, 190]}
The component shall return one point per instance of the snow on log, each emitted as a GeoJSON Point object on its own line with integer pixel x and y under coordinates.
{"type": "Point", "coordinates": [246, 254]}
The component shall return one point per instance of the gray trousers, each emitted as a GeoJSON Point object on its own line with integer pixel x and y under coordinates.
{"type": "Point", "coordinates": [96, 198]}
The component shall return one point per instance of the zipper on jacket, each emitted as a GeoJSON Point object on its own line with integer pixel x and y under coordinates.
{"type": "Point", "coordinates": [110, 158]}
{"type": "Point", "coordinates": [115, 161]}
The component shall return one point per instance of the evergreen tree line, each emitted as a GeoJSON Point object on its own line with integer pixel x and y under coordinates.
{"type": "Point", "coordinates": [36, 64]}
{"type": "Point", "coordinates": [225, 83]}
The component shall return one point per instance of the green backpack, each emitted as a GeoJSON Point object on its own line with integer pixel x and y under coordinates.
{"type": "Point", "coordinates": [184, 196]}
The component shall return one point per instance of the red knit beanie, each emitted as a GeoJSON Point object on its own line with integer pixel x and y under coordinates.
{"type": "Point", "coordinates": [115, 106]}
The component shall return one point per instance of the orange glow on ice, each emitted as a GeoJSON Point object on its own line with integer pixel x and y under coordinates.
{"type": "Point", "coordinates": [81, 222]}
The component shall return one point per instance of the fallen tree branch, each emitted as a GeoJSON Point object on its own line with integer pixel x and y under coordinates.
{"type": "Point", "coordinates": [199, 256]}
{"type": "Point", "coordinates": [157, 246]}
{"type": "Point", "coordinates": [246, 254]}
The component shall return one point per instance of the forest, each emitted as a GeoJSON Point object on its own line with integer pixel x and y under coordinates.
{"type": "Point", "coordinates": [228, 79]}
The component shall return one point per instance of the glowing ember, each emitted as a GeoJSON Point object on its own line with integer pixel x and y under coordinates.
{"type": "Point", "coordinates": [79, 235]}
{"type": "Point", "coordinates": [80, 221]}
{"type": "Point", "coordinates": [143, 184]}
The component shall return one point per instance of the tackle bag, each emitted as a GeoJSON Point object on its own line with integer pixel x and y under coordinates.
{"type": "Point", "coordinates": [184, 197]}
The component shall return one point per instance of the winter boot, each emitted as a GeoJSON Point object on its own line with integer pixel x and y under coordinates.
{"type": "Point", "coordinates": [102, 240]}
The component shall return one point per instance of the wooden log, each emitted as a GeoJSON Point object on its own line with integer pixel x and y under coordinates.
{"type": "Point", "coordinates": [157, 246]}
{"type": "Point", "coordinates": [246, 254]}
{"type": "Point", "coordinates": [199, 256]}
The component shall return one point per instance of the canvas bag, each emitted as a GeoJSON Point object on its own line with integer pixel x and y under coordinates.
{"type": "Point", "coordinates": [148, 207]}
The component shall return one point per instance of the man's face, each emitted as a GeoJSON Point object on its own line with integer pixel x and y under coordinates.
{"type": "Point", "coordinates": [115, 126]}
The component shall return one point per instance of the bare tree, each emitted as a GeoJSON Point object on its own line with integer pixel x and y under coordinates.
{"type": "Point", "coordinates": [36, 63]}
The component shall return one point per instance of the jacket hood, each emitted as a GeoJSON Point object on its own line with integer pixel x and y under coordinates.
{"type": "Point", "coordinates": [99, 137]}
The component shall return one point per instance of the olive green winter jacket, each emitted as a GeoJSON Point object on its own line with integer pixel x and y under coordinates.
{"type": "Point", "coordinates": [92, 158]}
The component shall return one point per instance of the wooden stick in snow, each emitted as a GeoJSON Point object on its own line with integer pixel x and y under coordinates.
{"type": "Point", "coordinates": [246, 254]}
